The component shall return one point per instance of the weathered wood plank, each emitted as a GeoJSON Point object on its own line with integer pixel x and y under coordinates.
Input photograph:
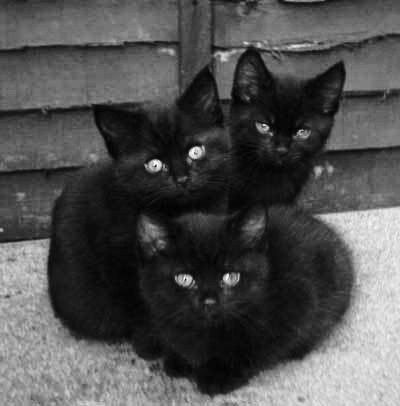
{"type": "Point", "coordinates": [356, 180]}
{"type": "Point", "coordinates": [367, 122]}
{"type": "Point", "coordinates": [66, 77]}
{"type": "Point", "coordinates": [53, 140]}
{"type": "Point", "coordinates": [69, 138]}
{"type": "Point", "coordinates": [195, 38]}
{"type": "Point", "coordinates": [371, 66]}
{"type": "Point", "coordinates": [364, 122]}
{"type": "Point", "coordinates": [26, 199]}
{"type": "Point", "coordinates": [342, 181]}
{"type": "Point", "coordinates": [271, 23]}
{"type": "Point", "coordinates": [77, 22]}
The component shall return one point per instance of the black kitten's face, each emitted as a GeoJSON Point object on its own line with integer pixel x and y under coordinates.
{"type": "Point", "coordinates": [175, 160]}
{"type": "Point", "coordinates": [176, 155]}
{"type": "Point", "coordinates": [280, 122]}
{"type": "Point", "coordinates": [200, 271]}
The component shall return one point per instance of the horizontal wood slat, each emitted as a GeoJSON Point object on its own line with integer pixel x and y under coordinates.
{"type": "Point", "coordinates": [77, 22]}
{"type": "Point", "coordinates": [66, 77]}
{"type": "Point", "coordinates": [44, 141]}
{"type": "Point", "coordinates": [357, 180]}
{"type": "Point", "coordinates": [363, 122]}
{"type": "Point", "coordinates": [69, 138]}
{"type": "Point", "coordinates": [26, 199]}
{"type": "Point", "coordinates": [342, 181]}
{"type": "Point", "coordinates": [367, 122]}
{"type": "Point", "coordinates": [371, 66]}
{"type": "Point", "coordinates": [271, 23]}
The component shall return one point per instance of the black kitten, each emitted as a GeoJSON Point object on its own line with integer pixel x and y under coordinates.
{"type": "Point", "coordinates": [164, 160]}
{"type": "Point", "coordinates": [170, 158]}
{"type": "Point", "coordinates": [229, 297]}
{"type": "Point", "coordinates": [278, 125]}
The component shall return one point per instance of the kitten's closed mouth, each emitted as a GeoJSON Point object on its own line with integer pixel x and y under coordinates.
{"type": "Point", "coordinates": [211, 317]}
{"type": "Point", "coordinates": [183, 193]}
{"type": "Point", "coordinates": [279, 162]}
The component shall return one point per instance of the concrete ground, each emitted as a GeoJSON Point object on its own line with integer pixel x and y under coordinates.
{"type": "Point", "coordinates": [42, 364]}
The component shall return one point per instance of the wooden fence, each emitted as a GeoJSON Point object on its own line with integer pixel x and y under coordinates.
{"type": "Point", "coordinates": [57, 58]}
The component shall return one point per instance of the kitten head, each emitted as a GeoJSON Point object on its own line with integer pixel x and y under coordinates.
{"type": "Point", "coordinates": [169, 156]}
{"type": "Point", "coordinates": [203, 270]}
{"type": "Point", "coordinates": [282, 121]}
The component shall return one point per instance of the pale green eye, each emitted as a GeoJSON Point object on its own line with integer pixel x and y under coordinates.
{"type": "Point", "coordinates": [185, 280]}
{"type": "Point", "coordinates": [197, 152]}
{"type": "Point", "coordinates": [302, 134]}
{"type": "Point", "coordinates": [155, 166]}
{"type": "Point", "coordinates": [263, 128]}
{"type": "Point", "coordinates": [231, 279]}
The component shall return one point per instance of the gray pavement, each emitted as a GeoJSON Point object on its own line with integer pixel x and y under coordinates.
{"type": "Point", "coordinates": [42, 364]}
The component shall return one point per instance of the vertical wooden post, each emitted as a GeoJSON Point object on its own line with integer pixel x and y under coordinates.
{"type": "Point", "coordinates": [195, 32]}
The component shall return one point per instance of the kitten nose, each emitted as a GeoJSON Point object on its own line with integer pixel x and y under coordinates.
{"type": "Point", "coordinates": [182, 180]}
{"type": "Point", "coordinates": [209, 302]}
{"type": "Point", "coordinates": [282, 150]}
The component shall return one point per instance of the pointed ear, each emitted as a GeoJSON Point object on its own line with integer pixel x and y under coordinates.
{"type": "Point", "coordinates": [326, 89]}
{"type": "Point", "coordinates": [201, 99]}
{"type": "Point", "coordinates": [117, 127]}
{"type": "Point", "coordinates": [152, 236]}
{"type": "Point", "coordinates": [251, 226]}
{"type": "Point", "coordinates": [251, 79]}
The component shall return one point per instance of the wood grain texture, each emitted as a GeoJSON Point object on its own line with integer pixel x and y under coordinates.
{"type": "Point", "coordinates": [271, 23]}
{"type": "Point", "coordinates": [57, 77]}
{"type": "Point", "coordinates": [357, 180]}
{"type": "Point", "coordinates": [370, 66]}
{"type": "Point", "coordinates": [76, 22]}
{"type": "Point", "coordinates": [342, 181]}
{"type": "Point", "coordinates": [363, 122]}
{"type": "Point", "coordinates": [367, 122]}
{"type": "Point", "coordinates": [69, 138]}
{"type": "Point", "coordinates": [53, 140]}
{"type": "Point", "coordinates": [26, 200]}
{"type": "Point", "coordinates": [195, 38]}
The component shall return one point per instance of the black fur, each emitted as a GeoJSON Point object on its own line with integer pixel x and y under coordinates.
{"type": "Point", "coordinates": [120, 235]}
{"type": "Point", "coordinates": [273, 168]}
{"type": "Point", "coordinates": [93, 260]}
{"type": "Point", "coordinates": [295, 285]}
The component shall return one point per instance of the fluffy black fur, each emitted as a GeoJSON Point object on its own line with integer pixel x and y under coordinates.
{"type": "Point", "coordinates": [295, 285]}
{"type": "Point", "coordinates": [272, 167]}
{"type": "Point", "coordinates": [93, 261]}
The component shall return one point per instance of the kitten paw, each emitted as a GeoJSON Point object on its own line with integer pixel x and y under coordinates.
{"type": "Point", "coordinates": [213, 382]}
{"type": "Point", "coordinates": [300, 352]}
{"type": "Point", "coordinates": [148, 349]}
{"type": "Point", "coordinates": [175, 367]}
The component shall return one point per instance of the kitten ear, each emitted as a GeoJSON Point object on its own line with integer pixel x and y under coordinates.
{"type": "Point", "coordinates": [152, 236]}
{"type": "Point", "coordinates": [201, 99]}
{"type": "Point", "coordinates": [251, 79]}
{"type": "Point", "coordinates": [117, 127]}
{"type": "Point", "coordinates": [251, 225]}
{"type": "Point", "coordinates": [326, 89]}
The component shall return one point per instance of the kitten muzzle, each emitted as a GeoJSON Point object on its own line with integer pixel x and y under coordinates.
{"type": "Point", "coordinates": [210, 308]}
{"type": "Point", "coordinates": [282, 150]}
{"type": "Point", "coordinates": [182, 180]}
{"type": "Point", "coordinates": [209, 302]}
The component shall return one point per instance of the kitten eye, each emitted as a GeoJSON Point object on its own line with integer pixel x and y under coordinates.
{"type": "Point", "coordinates": [302, 134]}
{"type": "Point", "coordinates": [231, 279]}
{"type": "Point", "coordinates": [197, 152]}
{"type": "Point", "coordinates": [185, 280]}
{"type": "Point", "coordinates": [263, 128]}
{"type": "Point", "coordinates": [155, 166]}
